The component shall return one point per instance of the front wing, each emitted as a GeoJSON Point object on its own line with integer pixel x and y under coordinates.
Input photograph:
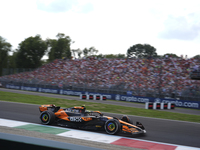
{"type": "Point", "coordinates": [133, 129]}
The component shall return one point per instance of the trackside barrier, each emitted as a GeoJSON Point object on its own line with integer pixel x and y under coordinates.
{"type": "Point", "coordinates": [104, 97]}
{"type": "Point", "coordinates": [171, 106]}
{"type": "Point", "coordinates": [156, 105]}
{"type": "Point", "coordinates": [164, 106]}
{"type": "Point", "coordinates": [97, 97]}
{"type": "Point", "coordinates": [150, 105]}
{"type": "Point", "coordinates": [93, 97]}
{"type": "Point", "coordinates": [83, 96]}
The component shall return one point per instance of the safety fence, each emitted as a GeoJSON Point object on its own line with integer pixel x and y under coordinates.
{"type": "Point", "coordinates": [118, 97]}
{"type": "Point", "coordinates": [9, 71]}
{"type": "Point", "coordinates": [96, 89]}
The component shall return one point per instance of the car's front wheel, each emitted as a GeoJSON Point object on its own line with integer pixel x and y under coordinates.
{"type": "Point", "coordinates": [47, 117]}
{"type": "Point", "coordinates": [112, 126]}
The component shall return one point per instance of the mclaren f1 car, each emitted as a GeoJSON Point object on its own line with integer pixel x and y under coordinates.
{"type": "Point", "coordinates": [79, 117]}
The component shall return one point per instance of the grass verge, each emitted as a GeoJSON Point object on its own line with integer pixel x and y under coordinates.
{"type": "Point", "coordinates": [32, 99]}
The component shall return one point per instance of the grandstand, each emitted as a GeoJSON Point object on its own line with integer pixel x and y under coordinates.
{"type": "Point", "coordinates": [195, 73]}
{"type": "Point", "coordinates": [159, 77]}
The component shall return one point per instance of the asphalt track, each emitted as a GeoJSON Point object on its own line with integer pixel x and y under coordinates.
{"type": "Point", "coordinates": [159, 130]}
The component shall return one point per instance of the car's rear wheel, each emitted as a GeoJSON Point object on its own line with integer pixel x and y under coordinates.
{"type": "Point", "coordinates": [112, 126]}
{"type": "Point", "coordinates": [47, 117]}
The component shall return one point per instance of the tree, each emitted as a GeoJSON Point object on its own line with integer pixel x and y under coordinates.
{"type": "Point", "coordinates": [85, 52]}
{"type": "Point", "coordinates": [74, 51]}
{"type": "Point", "coordinates": [79, 52]}
{"type": "Point", "coordinates": [92, 51]}
{"type": "Point", "coordinates": [51, 44]}
{"type": "Point", "coordinates": [121, 56]}
{"type": "Point", "coordinates": [30, 52]}
{"type": "Point", "coordinates": [114, 55]}
{"type": "Point", "coordinates": [59, 48]}
{"type": "Point", "coordinates": [170, 55]}
{"type": "Point", "coordinates": [141, 51]}
{"type": "Point", "coordinates": [5, 47]}
{"type": "Point", "coordinates": [197, 57]}
{"type": "Point", "coordinates": [12, 61]}
{"type": "Point", "coordinates": [100, 56]}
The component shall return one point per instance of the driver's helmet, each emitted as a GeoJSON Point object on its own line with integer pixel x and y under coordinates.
{"type": "Point", "coordinates": [125, 118]}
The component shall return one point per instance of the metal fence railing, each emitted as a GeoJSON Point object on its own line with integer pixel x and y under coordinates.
{"type": "Point", "coordinates": [9, 71]}
{"type": "Point", "coordinates": [187, 94]}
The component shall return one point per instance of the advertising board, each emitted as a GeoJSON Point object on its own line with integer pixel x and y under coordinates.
{"type": "Point", "coordinates": [118, 97]}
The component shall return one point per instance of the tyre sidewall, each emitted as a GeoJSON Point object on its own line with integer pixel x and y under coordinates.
{"type": "Point", "coordinates": [46, 117]}
{"type": "Point", "coordinates": [112, 126]}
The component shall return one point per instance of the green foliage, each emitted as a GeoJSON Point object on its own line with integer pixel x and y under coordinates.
{"type": "Point", "coordinates": [59, 48]}
{"type": "Point", "coordinates": [30, 52]}
{"type": "Point", "coordinates": [85, 52]}
{"type": "Point", "coordinates": [197, 57]}
{"type": "Point", "coordinates": [5, 47]}
{"type": "Point", "coordinates": [115, 56]}
{"type": "Point", "coordinates": [51, 43]}
{"type": "Point", "coordinates": [89, 52]}
{"type": "Point", "coordinates": [170, 55]}
{"type": "Point", "coordinates": [111, 56]}
{"type": "Point", "coordinates": [141, 51]}
{"type": "Point", "coordinates": [11, 60]}
{"type": "Point", "coordinates": [100, 56]}
{"type": "Point", "coordinates": [77, 53]}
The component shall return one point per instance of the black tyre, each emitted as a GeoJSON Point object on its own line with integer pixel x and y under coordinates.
{"type": "Point", "coordinates": [47, 117]}
{"type": "Point", "coordinates": [112, 126]}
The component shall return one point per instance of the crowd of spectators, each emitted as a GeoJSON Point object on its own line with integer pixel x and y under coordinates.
{"type": "Point", "coordinates": [160, 75]}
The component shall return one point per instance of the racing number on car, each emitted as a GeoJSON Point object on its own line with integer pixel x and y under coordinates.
{"type": "Point", "coordinates": [75, 119]}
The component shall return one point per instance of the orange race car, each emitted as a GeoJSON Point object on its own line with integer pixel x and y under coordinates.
{"type": "Point", "coordinates": [79, 117]}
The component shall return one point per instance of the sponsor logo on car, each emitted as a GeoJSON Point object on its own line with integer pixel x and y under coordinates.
{"type": "Point", "coordinates": [75, 119]}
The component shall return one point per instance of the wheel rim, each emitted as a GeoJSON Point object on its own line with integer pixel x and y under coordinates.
{"type": "Point", "coordinates": [45, 117]}
{"type": "Point", "coordinates": [111, 126]}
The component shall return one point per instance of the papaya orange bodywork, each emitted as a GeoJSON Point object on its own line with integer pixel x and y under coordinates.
{"type": "Point", "coordinates": [43, 108]}
{"type": "Point", "coordinates": [127, 123]}
{"type": "Point", "coordinates": [62, 114]}
{"type": "Point", "coordinates": [126, 129]}
{"type": "Point", "coordinates": [78, 107]}
{"type": "Point", "coordinates": [86, 119]}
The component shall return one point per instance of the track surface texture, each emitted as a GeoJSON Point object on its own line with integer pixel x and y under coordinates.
{"type": "Point", "coordinates": [159, 130]}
